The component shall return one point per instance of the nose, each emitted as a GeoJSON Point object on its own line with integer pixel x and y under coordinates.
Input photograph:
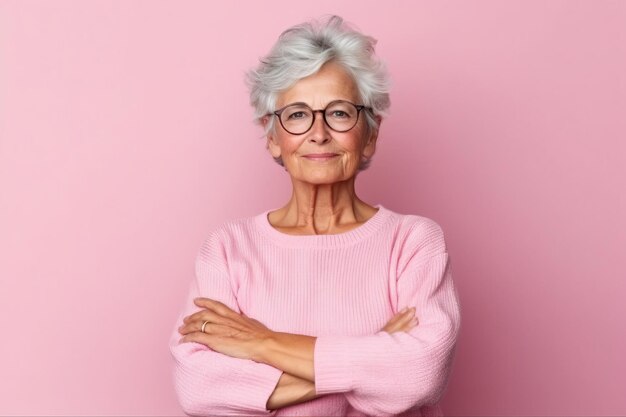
{"type": "Point", "coordinates": [320, 131]}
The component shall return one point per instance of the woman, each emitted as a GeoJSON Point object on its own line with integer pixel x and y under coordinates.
{"type": "Point", "coordinates": [312, 309]}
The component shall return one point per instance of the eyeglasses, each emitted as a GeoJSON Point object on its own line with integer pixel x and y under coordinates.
{"type": "Point", "coordinates": [339, 115]}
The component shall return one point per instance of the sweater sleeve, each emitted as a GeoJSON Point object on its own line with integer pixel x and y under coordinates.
{"type": "Point", "coordinates": [386, 374]}
{"type": "Point", "coordinates": [209, 383]}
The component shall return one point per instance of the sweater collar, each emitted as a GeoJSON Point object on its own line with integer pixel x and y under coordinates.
{"type": "Point", "coordinates": [348, 238]}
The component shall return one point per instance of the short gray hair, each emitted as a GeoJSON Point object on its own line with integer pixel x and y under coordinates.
{"type": "Point", "coordinates": [302, 50]}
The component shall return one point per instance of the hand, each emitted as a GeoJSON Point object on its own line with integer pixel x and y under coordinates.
{"type": "Point", "coordinates": [227, 331]}
{"type": "Point", "coordinates": [401, 322]}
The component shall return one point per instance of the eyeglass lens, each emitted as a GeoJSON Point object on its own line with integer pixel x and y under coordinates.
{"type": "Point", "coordinates": [340, 116]}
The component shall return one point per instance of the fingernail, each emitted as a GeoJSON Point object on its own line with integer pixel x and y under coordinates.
{"type": "Point", "coordinates": [404, 310]}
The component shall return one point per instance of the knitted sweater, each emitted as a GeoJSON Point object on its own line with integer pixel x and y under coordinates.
{"type": "Point", "coordinates": [340, 288]}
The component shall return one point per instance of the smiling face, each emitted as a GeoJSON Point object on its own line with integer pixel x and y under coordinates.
{"type": "Point", "coordinates": [329, 84]}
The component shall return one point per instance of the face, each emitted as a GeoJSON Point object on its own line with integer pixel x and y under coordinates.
{"type": "Point", "coordinates": [329, 84]}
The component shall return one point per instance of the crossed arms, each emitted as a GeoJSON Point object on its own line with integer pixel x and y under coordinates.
{"type": "Point", "coordinates": [237, 335]}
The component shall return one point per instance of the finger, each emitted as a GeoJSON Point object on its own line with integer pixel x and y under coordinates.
{"type": "Point", "coordinates": [219, 330]}
{"type": "Point", "coordinates": [394, 327]}
{"type": "Point", "coordinates": [203, 315]}
{"type": "Point", "coordinates": [197, 337]}
{"type": "Point", "coordinates": [226, 323]}
{"type": "Point", "coordinates": [211, 329]}
{"type": "Point", "coordinates": [189, 328]}
{"type": "Point", "coordinates": [407, 315]}
{"type": "Point", "coordinates": [405, 310]}
{"type": "Point", "coordinates": [195, 315]}
{"type": "Point", "coordinates": [409, 326]}
{"type": "Point", "coordinates": [400, 321]}
{"type": "Point", "coordinates": [401, 313]}
{"type": "Point", "coordinates": [213, 316]}
{"type": "Point", "coordinates": [194, 322]}
{"type": "Point", "coordinates": [219, 307]}
{"type": "Point", "coordinates": [397, 316]}
{"type": "Point", "coordinates": [409, 312]}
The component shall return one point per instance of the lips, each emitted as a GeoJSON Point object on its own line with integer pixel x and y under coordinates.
{"type": "Point", "coordinates": [320, 156]}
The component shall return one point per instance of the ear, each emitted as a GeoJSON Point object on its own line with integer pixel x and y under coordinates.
{"type": "Point", "coordinates": [370, 144]}
{"type": "Point", "coordinates": [272, 142]}
{"type": "Point", "coordinates": [272, 146]}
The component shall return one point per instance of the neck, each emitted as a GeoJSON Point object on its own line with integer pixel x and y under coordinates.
{"type": "Point", "coordinates": [323, 208]}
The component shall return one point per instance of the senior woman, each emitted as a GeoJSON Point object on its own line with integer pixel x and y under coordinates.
{"type": "Point", "coordinates": [327, 305]}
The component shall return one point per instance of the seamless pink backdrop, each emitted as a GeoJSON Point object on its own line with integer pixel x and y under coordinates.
{"type": "Point", "coordinates": [126, 135]}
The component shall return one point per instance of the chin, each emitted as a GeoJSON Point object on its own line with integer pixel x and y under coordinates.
{"type": "Point", "coordinates": [323, 179]}
{"type": "Point", "coordinates": [321, 176]}
{"type": "Point", "coordinates": [322, 182]}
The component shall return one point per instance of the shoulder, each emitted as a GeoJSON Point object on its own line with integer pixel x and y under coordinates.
{"type": "Point", "coordinates": [419, 229]}
{"type": "Point", "coordinates": [418, 238]}
{"type": "Point", "coordinates": [225, 236]}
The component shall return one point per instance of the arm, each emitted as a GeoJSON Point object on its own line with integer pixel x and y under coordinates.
{"type": "Point", "coordinates": [386, 374]}
{"type": "Point", "coordinates": [239, 336]}
{"type": "Point", "coordinates": [208, 382]}
{"type": "Point", "coordinates": [231, 333]}
{"type": "Point", "coordinates": [293, 390]}
{"type": "Point", "coordinates": [297, 357]}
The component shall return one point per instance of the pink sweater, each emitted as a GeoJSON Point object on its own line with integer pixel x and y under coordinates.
{"type": "Point", "coordinates": [340, 288]}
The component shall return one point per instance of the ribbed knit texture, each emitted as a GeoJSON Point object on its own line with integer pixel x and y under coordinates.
{"type": "Point", "coordinates": [340, 288]}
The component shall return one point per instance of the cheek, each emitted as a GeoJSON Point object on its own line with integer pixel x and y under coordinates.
{"type": "Point", "coordinates": [288, 144]}
{"type": "Point", "coordinates": [354, 143]}
{"type": "Point", "coordinates": [290, 148]}
{"type": "Point", "coordinates": [289, 153]}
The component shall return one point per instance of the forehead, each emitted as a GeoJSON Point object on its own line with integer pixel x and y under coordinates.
{"type": "Point", "coordinates": [330, 83]}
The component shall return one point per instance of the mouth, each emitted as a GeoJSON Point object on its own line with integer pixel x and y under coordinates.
{"type": "Point", "coordinates": [320, 156]}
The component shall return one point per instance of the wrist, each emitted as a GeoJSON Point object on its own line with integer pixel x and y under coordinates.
{"type": "Point", "coordinates": [291, 390]}
{"type": "Point", "coordinates": [264, 349]}
{"type": "Point", "coordinates": [291, 353]}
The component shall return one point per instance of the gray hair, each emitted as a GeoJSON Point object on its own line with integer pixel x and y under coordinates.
{"type": "Point", "coordinates": [302, 50]}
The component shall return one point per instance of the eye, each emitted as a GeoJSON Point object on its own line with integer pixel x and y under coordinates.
{"type": "Point", "coordinates": [297, 115]}
{"type": "Point", "coordinates": [341, 111]}
{"type": "Point", "coordinates": [339, 114]}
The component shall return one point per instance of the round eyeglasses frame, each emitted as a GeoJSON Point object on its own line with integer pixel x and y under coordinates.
{"type": "Point", "coordinates": [358, 108]}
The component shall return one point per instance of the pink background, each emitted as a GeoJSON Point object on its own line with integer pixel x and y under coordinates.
{"type": "Point", "coordinates": [126, 135]}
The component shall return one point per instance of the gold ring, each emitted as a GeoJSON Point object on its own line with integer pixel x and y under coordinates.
{"type": "Point", "coordinates": [204, 325]}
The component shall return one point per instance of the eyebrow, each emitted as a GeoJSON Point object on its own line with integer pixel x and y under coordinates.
{"type": "Point", "coordinates": [302, 103]}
